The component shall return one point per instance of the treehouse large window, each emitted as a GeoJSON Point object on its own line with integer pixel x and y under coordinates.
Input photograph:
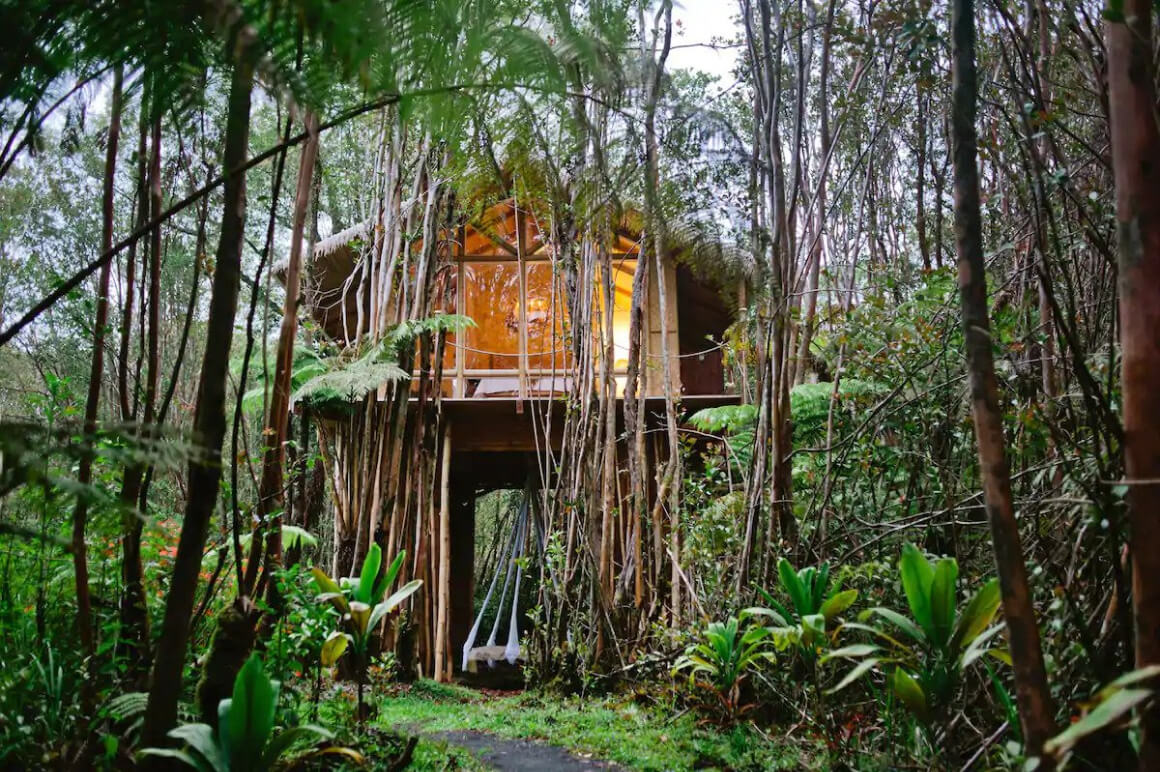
{"type": "Point", "coordinates": [523, 329]}
{"type": "Point", "coordinates": [491, 297]}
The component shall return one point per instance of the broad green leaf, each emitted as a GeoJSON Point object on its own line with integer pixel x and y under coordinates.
{"type": "Point", "coordinates": [758, 611]}
{"type": "Point", "coordinates": [360, 615]}
{"type": "Point", "coordinates": [837, 603]}
{"type": "Point", "coordinates": [200, 739]}
{"type": "Point", "coordinates": [184, 757]}
{"type": "Point", "coordinates": [325, 584]}
{"type": "Point", "coordinates": [388, 578]}
{"type": "Point", "coordinates": [813, 628]}
{"type": "Point", "coordinates": [901, 647]}
{"type": "Point", "coordinates": [369, 575]}
{"type": "Point", "coordinates": [251, 714]}
{"type": "Point", "coordinates": [821, 584]}
{"type": "Point", "coordinates": [333, 648]}
{"type": "Point", "coordinates": [978, 647]}
{"type": "Point", "coordinates": [907, 689]}
{"type": "Point", "coordinates": [754, 634]}
{"type": "Point", "coordinates": [1102, 716]}
{"type": "Point", "coordinates": [223, 733]}
{"type": "Point", "coordinates": [942, 600]}
{"type": "Point", "coordinates": [1001, 655]}
{"type": "Point", "coordinates": [976, 616]}
{"type": "Point", "coordinates": [917, 575]}
{"type": "Point", "coordinates": [292, 536]}
{"type": "Point", "coordinates": [400, 595]}
{"type": "Point", "coordinates": [336, 599]}
{"type": "Point", "coordinates": [861, 669]}
{"type": "Point", "coordinates": [854, 651]}
{"type": "Point", "coordinates": [793, 586]}
{"type": "Point", "coordinates": [288, 737]}
{"type": "Point", "coordinates": [898, 620]}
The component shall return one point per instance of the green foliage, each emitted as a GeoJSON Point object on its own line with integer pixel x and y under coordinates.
{"type": "Point", "coordinates": [38, 704]}
{"type": "Point", "coordinates": [927, 652]}
{"type": "Point", "coordinates": [292, 536]}
{"type": "Point", "coordinates": [245, 738]}
{"type": "Point", "coordinates": [334, 385]}
{"type": "Point", "coordinates": [345, 383]}
{"type": "Point", "coordinates": [737, 422]}
{"type": "Point", "coordinates": [361, 607]}
{"type": "Point", "coordinates": [1112, 706]}
{"type": "Point", "coordinates": [729, 653]}
{"type": "Point", "coordinates": [640, 732]}
{"type": "Point", "coordinates": [812, 606]}
{"type": "Point", "coordinates": [307, 364]}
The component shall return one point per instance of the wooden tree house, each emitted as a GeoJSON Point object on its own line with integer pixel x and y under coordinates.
{"type": "Point", "coordinates": [507, 382]}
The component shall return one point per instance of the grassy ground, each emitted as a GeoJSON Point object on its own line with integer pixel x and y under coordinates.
{"type": "Point", "coordinates": [606, 728]}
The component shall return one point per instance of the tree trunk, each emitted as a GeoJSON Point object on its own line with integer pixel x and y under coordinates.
{"type": "Point", "coordinates": [1032, 694]}
{"type": "Point", "coordinates": [134, 613]}
{"type": "Point", "coordinates": [96, 370]}
{"type": "Point", "coordinates": [270, 498]}
{"type": "Point", "coordinates": [1136, 166]}
{"type": "Point", "coordinates": [209, 422]}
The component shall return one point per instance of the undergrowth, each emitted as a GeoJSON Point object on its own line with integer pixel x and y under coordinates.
{"type": "Point", "coordinates": [614, 728]}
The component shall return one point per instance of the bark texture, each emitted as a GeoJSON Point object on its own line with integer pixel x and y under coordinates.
{"type": "Point", "coordinates": [1036, 713]}
{"type": "Point", "coordinates": [1136, 166]}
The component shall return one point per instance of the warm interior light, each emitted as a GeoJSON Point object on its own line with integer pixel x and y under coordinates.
{"type": "Point", "coordinates": [621, 311]}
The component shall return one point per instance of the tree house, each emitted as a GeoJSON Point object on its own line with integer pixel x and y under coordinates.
{"type": "Point", "coordinates": [507, 379]}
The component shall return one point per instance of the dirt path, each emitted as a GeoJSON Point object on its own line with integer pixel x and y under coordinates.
{"type": "Point", "coordinates": [520, 755]}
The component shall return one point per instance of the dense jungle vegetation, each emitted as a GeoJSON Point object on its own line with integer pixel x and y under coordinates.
{"type": "Point", "coordinates": [926, 536]}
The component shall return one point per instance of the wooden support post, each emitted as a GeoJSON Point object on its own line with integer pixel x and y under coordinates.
{"type": "Point", "coordinates": [462, 609]}
{"type": "Point", "coordinates": [443, 604]}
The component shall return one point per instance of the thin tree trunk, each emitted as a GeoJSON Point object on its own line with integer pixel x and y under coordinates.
{"type": "Point", "coordinates": [96, 370]}
{"type": "Point", "coordinates": [1032, 694]}
{"type": "Point", "coordinates": [134, 613]}
{"type": "Point", "coordinates": [128, 407]}
{"type": "Point", "coordinates": [1136, 166]}
{"type": "Point", "coordinates": [209, 422]}
{"type": "Point", "coordinates": [270, 496]}
{"type": "Point", "coordinates": [443, 609]}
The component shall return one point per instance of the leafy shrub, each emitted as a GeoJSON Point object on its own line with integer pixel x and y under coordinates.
{"type": "Point", "coordinates": [928, 651]}
{"type": "Point", "coordinates": [730, 652]}
{"type": "Point", "coordinates": [812, 606]}
{"type": "Point", "coordinates": [353, 599]}
{"type": "Point", "coordinates": [245, 738]}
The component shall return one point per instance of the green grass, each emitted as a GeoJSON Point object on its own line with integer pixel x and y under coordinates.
{"type": "Point", "coordinates": [609, 728]}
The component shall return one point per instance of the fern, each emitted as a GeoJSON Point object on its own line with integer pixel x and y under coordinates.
{"type": "Point", "coordinates": [128, 708]}
{"type": "Point", "coordinates": [307, 365]}
{"type": "Point", "coordinates": [349, 383]}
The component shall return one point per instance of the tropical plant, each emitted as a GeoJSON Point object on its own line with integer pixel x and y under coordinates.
{"type": "Point", "coordinates": [245, 738]}
{"type": "Point", "coordinates": [730, 652]}
{"type": "Point", "coordinates": [737, 423]}
{"type": "Point", "coordinates": [1112, 707]}
{"type": "Point", "coordinates": [359, 601]}
{"type": "Point", "coordinates": [928, 651]}
{"type": "Point", "coordinates": [812, 606]}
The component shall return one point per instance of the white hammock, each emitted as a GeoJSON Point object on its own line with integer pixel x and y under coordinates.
{"type": "Point", "coordinates": [514, 551]}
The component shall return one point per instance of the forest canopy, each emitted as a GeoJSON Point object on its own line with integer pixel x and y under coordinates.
{"type": "Point", "coordinates": [799, 411]}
